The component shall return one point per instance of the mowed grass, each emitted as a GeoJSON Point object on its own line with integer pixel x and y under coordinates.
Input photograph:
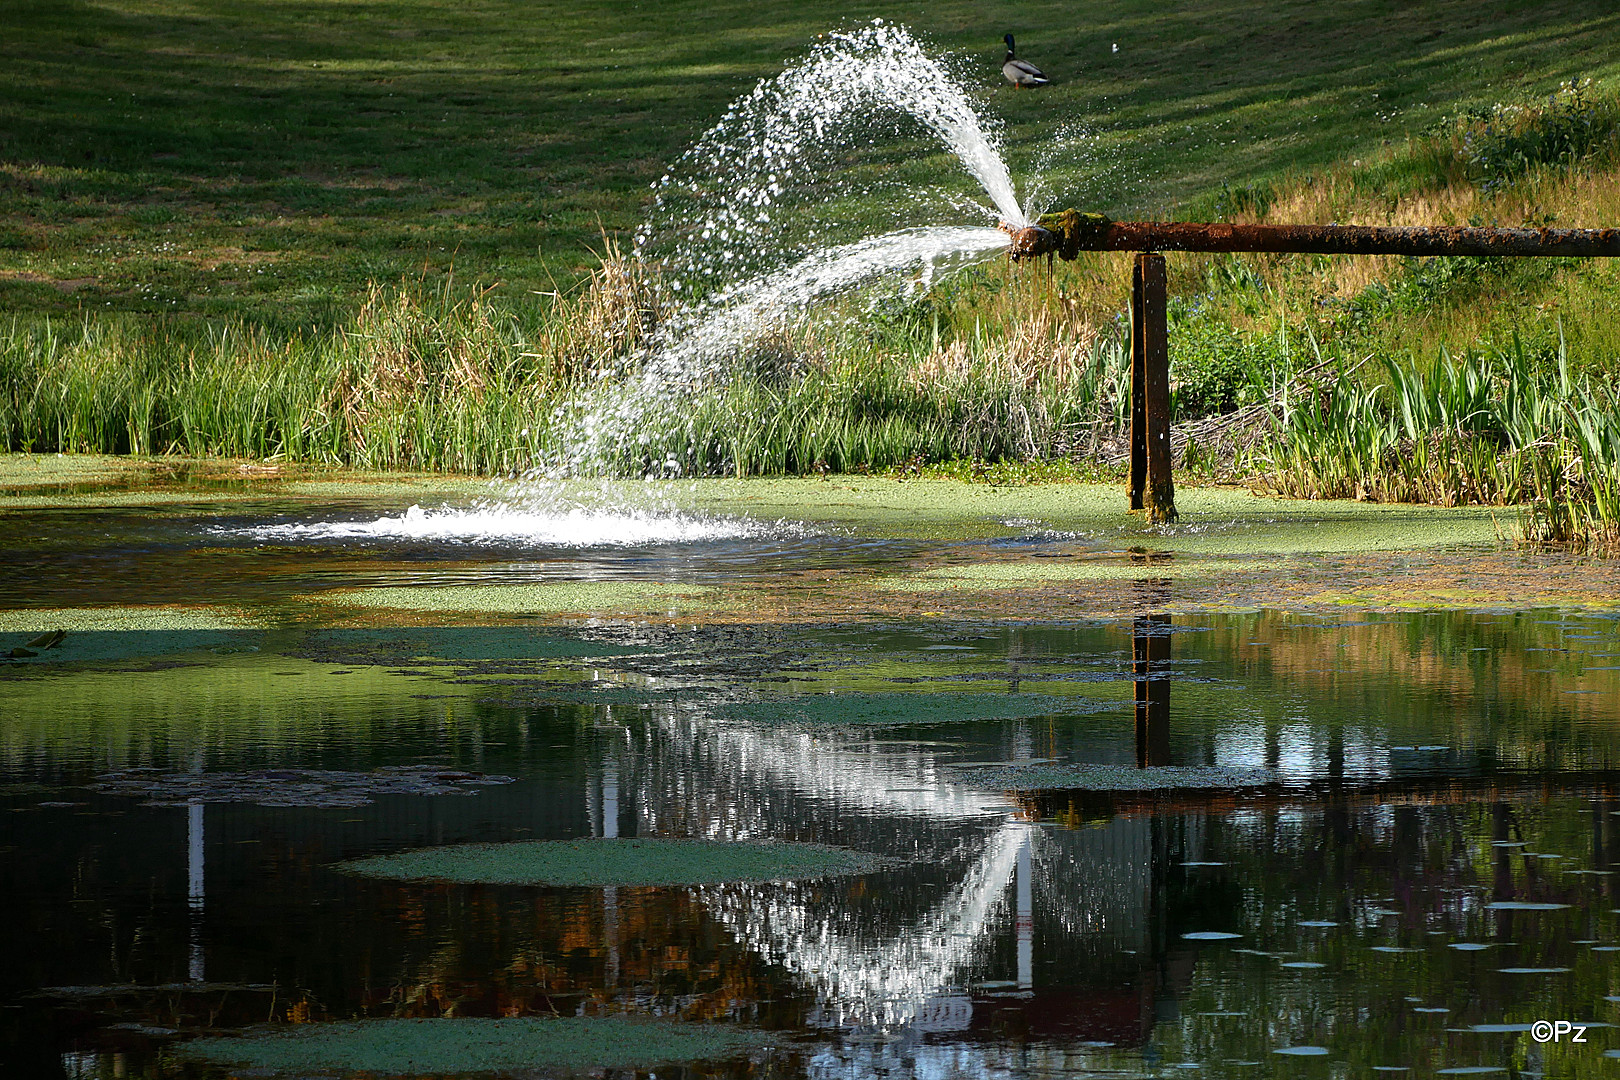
{"type": "Point", "coordinates": [267, 161]}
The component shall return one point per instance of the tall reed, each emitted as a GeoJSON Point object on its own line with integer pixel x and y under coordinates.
{"type": "Point", "coordinates": [1492, 428]}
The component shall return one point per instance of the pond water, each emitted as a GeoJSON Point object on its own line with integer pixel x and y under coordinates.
{"type": "Point", "coordinates": [1258, 844]}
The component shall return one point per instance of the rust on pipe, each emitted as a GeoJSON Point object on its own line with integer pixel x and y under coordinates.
{"type": "Point", "coordinates": [1070, 232]}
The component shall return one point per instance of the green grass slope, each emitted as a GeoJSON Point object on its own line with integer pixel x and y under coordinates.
{"type": "Point", "coordinates": [269, 159]}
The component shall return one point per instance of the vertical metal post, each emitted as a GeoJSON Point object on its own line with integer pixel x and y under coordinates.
{"type": "Point", "coordinates": [1138, 387]}
{"type": "Point", "coordinates": [1152, 488]}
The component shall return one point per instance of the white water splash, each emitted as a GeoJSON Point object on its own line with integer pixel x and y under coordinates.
{"type": "Point", "coordinates": [762, 189]}
{"type": "Point", "coordinates": [762, 221]}
{"type": "Point", "coordinates": [540, 525]}
{"type": "Point", "coordinates": [649, 408]}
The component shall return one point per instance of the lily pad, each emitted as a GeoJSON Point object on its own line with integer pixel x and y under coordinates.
{"type": "Point", "coordinates": [1211, 935]}
{"type": "Point", "coordinates": [596, 862]}
{"type": "Point", "coordinates": [1523, 905]}
{"type": "Point", "coordinates": [1303, 1051]}
{"type": "Point", "coordinates": [439, 1046]}
{"type": "Point", "coordinates": [1115, 777]}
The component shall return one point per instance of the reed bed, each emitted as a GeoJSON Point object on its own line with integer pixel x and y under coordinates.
{"type": "Point", "coordinates": [432, 379]}
{"type": "Point", "coordinates": [1485, 428]}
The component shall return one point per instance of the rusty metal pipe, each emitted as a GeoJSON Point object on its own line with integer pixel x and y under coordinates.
{"type": "Point", "coordinates": [1068, 233]}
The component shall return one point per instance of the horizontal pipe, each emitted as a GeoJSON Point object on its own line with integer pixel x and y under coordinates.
{"type": "Point", "coordinates": [1068, 233]}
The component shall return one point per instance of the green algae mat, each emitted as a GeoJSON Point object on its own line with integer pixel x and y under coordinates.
{"type": "Point", "coordinates": [144, 545]}
{"type": "Point", "coordinates": [839, 710]}
{"type": "Point", "coordinates": [457, 1045]}
{"type": "Point", "coordinates": [629, 862]}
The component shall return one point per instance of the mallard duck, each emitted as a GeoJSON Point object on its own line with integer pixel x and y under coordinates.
{"type": "Point", "coordinates": [1020, 72]}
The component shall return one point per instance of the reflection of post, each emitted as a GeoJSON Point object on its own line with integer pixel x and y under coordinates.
{"type": "Point", "coordinates": [1026, 917]}
{"type": "Point", "coordinates": [1150, 651]}
{"type": "Point", "coordinates": [610, 894]}
{"type": "Point", "coordinates": [194, 887]}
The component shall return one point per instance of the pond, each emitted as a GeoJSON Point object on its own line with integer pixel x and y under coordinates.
{"type": "Point", "coordinates": [1048, 831]}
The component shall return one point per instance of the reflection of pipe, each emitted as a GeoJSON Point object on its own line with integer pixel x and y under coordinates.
{"type": "Point", "coordinates": [194, 886]}
{"type": "Point", "coordinates": [1026, 918]}
{"type": "Point", "coordinates": [1150, 651]}
{"type": "Point", "coordinates": [1502, 885]}
{"type": "Point", "coordinates": [195, 880]}
{"type": "Point", "coordinates": [610, 894]}
{"type": "Point", "coordinates": [610, 798]}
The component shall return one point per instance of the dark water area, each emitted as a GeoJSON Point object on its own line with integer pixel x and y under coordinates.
{"type": "Point", "coordinates": [1287, 845]}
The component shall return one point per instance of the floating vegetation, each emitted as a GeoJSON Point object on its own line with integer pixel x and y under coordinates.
{"type": "Point", "coordinates": [1210, 935]}
{"type": "Point", "coordinates": [1303, 1051]}
{"type": "Point", "coordinates": [833, 710]}
{"type": "Point", "coordinates": [1523, 905]}
{"type": "Point", "coordinates": [440, 1046]}
{"type": "Point", "coordinates": [596, 862]}
{"type": "Point", "coordinates": [321, 788]}
{"type": "Point", "coordinates": [1115, 777]}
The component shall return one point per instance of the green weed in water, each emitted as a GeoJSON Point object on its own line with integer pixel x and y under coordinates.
{"type": "Point", "coordinates": [628, 862]}
{"type": "Point", "coordinates": [460, 1045]}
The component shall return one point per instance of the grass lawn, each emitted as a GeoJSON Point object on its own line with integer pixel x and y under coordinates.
{"type": "Point", "coordinates": [266, 160]}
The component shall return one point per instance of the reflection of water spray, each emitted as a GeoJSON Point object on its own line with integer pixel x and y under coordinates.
{"type": "Point", "coordinates": [891, 982]}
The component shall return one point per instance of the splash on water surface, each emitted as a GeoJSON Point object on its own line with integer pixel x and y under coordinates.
{"type": "Point", "coordinates": [550, 526]}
